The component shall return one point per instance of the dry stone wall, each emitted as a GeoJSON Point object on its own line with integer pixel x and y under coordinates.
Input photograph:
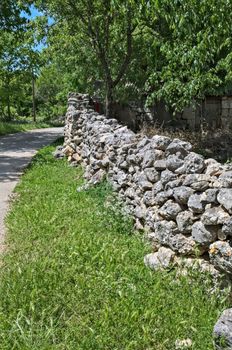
{"type": "Point", "coordinates": [181, 200]}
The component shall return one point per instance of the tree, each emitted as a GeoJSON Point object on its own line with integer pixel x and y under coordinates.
{"type": "Point", "coordinates": [18, 61]}
{"type": "Point", "coordinates": [10, 14]}
{"type": "Point", "coordinates": [13, 46]}
{"type": "Point", "coordinates": [9, 64]}
{"type": "Point", "coordinates": [194, 40]}
{"type": "Point", "coordinates": [107, 28]}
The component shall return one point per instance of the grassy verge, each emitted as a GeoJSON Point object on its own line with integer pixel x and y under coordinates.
{"type": "Point", "coordinates": [74, 278]}
{"type": "Point", "coordinates": [10, 128]}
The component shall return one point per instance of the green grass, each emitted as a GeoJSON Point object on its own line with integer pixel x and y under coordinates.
{"type": "Point", "coordinates": [74, 278]}
{"type": "Point", "coordinates": [12, 127]}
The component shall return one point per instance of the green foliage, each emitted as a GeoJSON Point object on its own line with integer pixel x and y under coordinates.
{"type": "Point", "coordinates": [195, 46]}
{"type": "Point", "coordinates": [74, 278]}
{"type": "Point", "coordinates": [10, 18]}
{"type": "Point", "coordinates": [104, 29]}
{"type": "Point", "coordinates": [18, 62]}
{"type": "Point", "coordinates": [175, 51]}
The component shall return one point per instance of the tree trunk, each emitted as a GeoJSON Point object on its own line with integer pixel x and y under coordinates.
{"type": "Point", "coordinates": [8, 107]}
{"type": "Point", "coordinates": [109, 101]}
{"type": "Point", "coordinates": [33, 99]}
{"type": "Point", "coordinates": [8, 117]}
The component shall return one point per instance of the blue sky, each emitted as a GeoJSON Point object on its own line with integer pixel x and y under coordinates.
{"type": "Point", "coordinates": [36, 13]}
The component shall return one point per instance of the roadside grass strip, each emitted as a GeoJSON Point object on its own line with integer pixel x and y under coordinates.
{"type": "Point", "coordinates": [73, 275]}
{"type": "Point", "coordinates": [11, 128]}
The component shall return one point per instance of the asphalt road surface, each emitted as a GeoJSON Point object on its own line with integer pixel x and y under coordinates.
{"type": "Point", "coordinates": [16, 152]}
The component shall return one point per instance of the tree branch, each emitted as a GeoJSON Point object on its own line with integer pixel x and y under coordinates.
{"type": "Point", "coordinates": [94, 37]}
{"type": "Point", "coordinates": [127, 58]}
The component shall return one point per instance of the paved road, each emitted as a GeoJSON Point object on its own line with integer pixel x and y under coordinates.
{"type": "Point", "coordinates": [16, 152]}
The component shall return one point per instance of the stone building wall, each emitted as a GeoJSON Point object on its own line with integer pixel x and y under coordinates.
{"type": "Point", "coordinates": [211, 113]}
{"type": "Point", "coordinates": [181, 200]}
{"type": "Point", "coordinates": [226, 112]}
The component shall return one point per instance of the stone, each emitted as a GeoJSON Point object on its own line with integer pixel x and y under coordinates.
{"type": "Point", "coordinates": [213, 168]}
{"type": "Point", "coordinates": [77, 140]}
{"type": "Point", "coordinates": [214, 216]}
{"type": "Point", "coordinates": [226, 179]}
{"type": "Point", "coordinates": [139, 212]}
{"type": "Point", "coordinates": [148, 159]}
{"type": "Point", "coordinates": [185, 221]}
{"type": "Point", "coordinates": [167, 176]}
{"type": "Point", "coordinates": [76, 157]}
{"type": "Point", "coordinates": [143, 142]}
{"type": "Point", "coordinates": [130, 193]}
{"type": "Point", "coordinates": [151, 174]}
{"type": "Point", "coordinates": [145, 185]}
{"type": "Point", "coordinates": [131, 159]}
{"type": "Point", "coordinates": [121, 178]}
{"type": "Point", "coordinates": [58, 153]}
{"type": "Point", "coordinates": [220, 254]}
{"type": "Point", "coordinates": [152, 216]}
{"type": "Point", "coordinates": [182, 194]}
{"type": "Point", "coordinates": [159, 155]}
{"type": "Point", "coordinates": [162, 259]}
{"type": "Point", "coordinates": [162, 197]}
{"type": "Point", "coordinates": [139, 176]}
{"type": "Point", "coordinates": [173, 184]}
{"type": "Point", "coordinates": [183, 344]}
{"type": "Point", "coordinates": [195, 204]}
{"type": "Point", "coordinates": [148, 198]}
{"type": "Point", "coordinates": [175, 161]}
{"type": "Point", "coordinates": [160, 164]}
{"type": "Point", "coordinates": [170, 210]}
{"type": "Point", "coordinates": [182, 245]}
{"type": "Point", "coordinates": [59, 148]}
{"type": "Point", "coordinates": [200, 186]}
{"type": "Point", "coordinates": [160, 142]}
{"type": "Point", "coordinates": [94, 164]}
{"type": "Point", "coordinates": [177, 145]}
{"type": "Point", "coordinates": [221, 235]}
{"type": "Point", "coordinates": [85, 151]}
{"type": "Point", "coordinates": [199, 182]}
{"type": "Point", "coordinates": [163, 230]}
{"type": "Point", "coordinates": [111, 121]}
{"type": "Point", "coordinates": [98, 177]}
{"type": "Point", "coordinates": [193, 163]}
{"type": "Point", "coordinates": [199, 264]}
{"type": "Point", "coordinates": [73, 164]}
{"type": "Point", "coordinates": [225, 198]}
{"type": "Point", "coordinates": [124, 165]}
{"type": "Point", "coordinates": [139, 193]}
{"type": "Point", "coordinates": [138, 225]}
{"type": "Point", "coordinates": [227, 227]}
{"type": "Point", "coordinates": [222, 332]}
{"type": "Point", "coordinates": [105, 162]}
{"type": "Point", "coordinates": [131, 169]}
{"type": "Point", "coordinates": [158, 187]}
{"type": "Point", "coordinates": [138, 157]}
{"type": "Point", "coordinates": [68, 151]}
{"type": "Point", "coordinates": [209, 196]}
{"type": "Point", "coordinates": [203, 235]}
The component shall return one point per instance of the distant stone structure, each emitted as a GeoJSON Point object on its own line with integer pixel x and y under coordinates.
{"type": "Point", "coordinates": [211, 113]}
{"type": "Point", "coordinates": [181, 200]}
